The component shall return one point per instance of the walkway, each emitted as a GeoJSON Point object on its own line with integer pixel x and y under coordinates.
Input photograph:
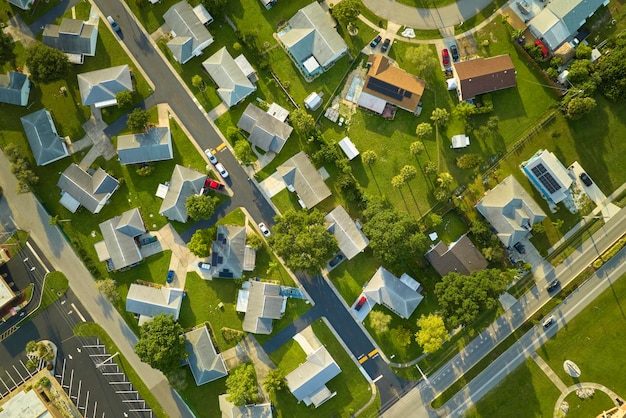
{"type": "Point", "coordinates": [586, 385]}
{"type": "Point", "coordinates": [549, 372]}
{"type": "Point", "coordinates": [292, 329]}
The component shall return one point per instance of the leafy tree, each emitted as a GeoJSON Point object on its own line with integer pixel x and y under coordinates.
{"type": "Point", "coordinates": [556, 62]}
{"type": "Point", "coordinates": [492, 123]}
{"type": "Point", "coordinates": [539, 228]}
{"type": "Point", "coordinates": [197, 81]}
{"type": "Point", "coordinates": [424, 60]}
{"type": "Point", "coordinates": [469, 161]}
{"type": "Point", "coordinates": [464, 110]}
{"type": "Point", "coordinates": [481, 231]}
{"type": "Point", "coordinates": [553, 73]}
{"type": "Point", "coordinates": [31, 346]}
{"type": "Point", "coordinates": [108, 289]}
{"type": "Point", "coordinates": [432, 333]}
{"type": "Point", "coordinates": [463, 298]}
{"type": "Point", "coordinates": [578, 71]}
{"type": "Point", "coordinates": [241, 386]}
{"type": "Point", "coordinates": [200, 206]}
{"type": "Point", "coordinates": [46, 64]}
{"type": "Point", "coordinates": [254, 241]}
{"type": "Point", "coordinates": [558, 224]}
{"type": "Point", "coordinates": [347, 11]}
{"type": "Point", "coordinates": [445, 180]}
{"type": "Point", "coordinates": [274, 381]}
{"type": "Point", "coordinates": [243, 152]}
{"type": "Point", "coordinates": [440, 117]}
{"type": "Point", "coordinates": [423, 130]}
{"type": "Point", "coordinates": [138, 120]}
{"type": "Point", "coordinates": [494, 252]}
{"type": "Point", "coordinates": [611, 69]}
{"type": "Point", "coordinates": [403, 336]}
{"type": "Point", "coordinates": [200, 242]}
{"type": "Point", "coordinates": [583, 52]}
{"type": "Point", "coordinates": [369, 157]}
{"type": "Point", "coordinates": [302, 121]}
{"type": "Point", "coordinates": [6, 48]}
{"type": "Point", "coordinates": [440, 194]}
{"type": "Point", "coordinates": [430, 168]}
{"type": "Point", "coordinates": [580, 106]}
{"type": "Point", "coordinates": [161, 344]}
{"type": "Point", "coordinates": [124, 99]}
{"type": "Point", "coordinates": [379, 321]}
{"type": "Point", "coordinates": [302, 240]}
{"type": "Point", "coordinates": [398, 182]}
{"type": "Point", "coordinates": [215, 7]}
{"type": "Point", "coordinates": [408, 172]}
{"type": "Point", "coordinates": [432, 220]}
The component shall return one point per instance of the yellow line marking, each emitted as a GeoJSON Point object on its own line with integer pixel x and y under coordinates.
{"type": "Point", "coordinates": [220, 147]}
{"type": "Point", "coordinates": [374, 351]}
{"type": "Point", "coordinates": [363, 359]}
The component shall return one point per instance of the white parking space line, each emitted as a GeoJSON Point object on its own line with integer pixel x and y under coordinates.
{"type": "Point", "coordinates": [6, 371]}
{"type": "Point", "coordinates": [78, 313]}
{"type": "Point", "coordinates": [37, 256]}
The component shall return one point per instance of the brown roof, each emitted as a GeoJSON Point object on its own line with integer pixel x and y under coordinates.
{"type": "Point", "coordinates": [484, 75]}
{"type": "Point", "coordinates": [406, 86]}
{"type": "Point", "coordinates": [461, 257]}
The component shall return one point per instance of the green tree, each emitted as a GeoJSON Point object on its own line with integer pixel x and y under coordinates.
{"type": "Point", "coordinates": [578, 71]}
{"type": "Point", "coordinates": [494, 252]}
{"type": "Point", "coordinates": [215, 7]}
{"type": "Point", "coordinates": [408, 172]}
{"type": "Point", "coordinates": [379, 321]}
{"type": "Point", "coordinates": [46, 64]}
{"type": "Point", "coordinates": [54, 220]}
{"type": "Point", "coordinates": [403, 336]}
{"type": "Point", "coordinates": [464, 110]}
{"type": "Point", "coordinates": [423, 131]}
{"type": "Point", "coordinates": [254, 241]}
{"type": "Point", "coordinates": [558, 224]}
{"type": "Point", "coordinates": [274, 381]}
{"type": "Point", "coordinates": [580, 106]}
{"type": "Point", "coordinates": [6, 48]}
{"type": "Point", "coordinates": [369, 157]}
{"type": "Point", "coordinates": [424, 60]}
{"type": "Point", "coordinates": [440, 117]}
{"type": "Point", "coordinates": [197, 82]}
{"type": "Point", "coordinates": [243, 152]}
{"type": "Point", "coordinates": [161, 344]}
{"type": "Point", "coordinates": [124, 99]}
{"type": "Point", "coordinates": [302, 122]}
{"type": "Point", "coordinates": [611, 69]}
{"type": "Point", "coordinates": [347, 11]}
{"type": "Point", "coordinates": [200, 206]}
{"type": "Point", "coordinates": [241, 386]}
{"type": "Point", "coordinates": [469, 161]}
{"type": "Point", "coordinates": [583, 52]}
{"type": "Point", "coordinates": [539, 228]}
{"type": "Point", "coordinates": [302, 240]}
{"type": "Point", "coordinates": [430, 168]}
{"type": "Point", "coordinates": [200, 242]}
{"type": "Point", "coordinates": [432, 333]}
{"type": "Point", "coordinates": [445, 180]}
{"type": "Point", "coordinates": [108, 288]}
{"type": "Point", "coordinates": [433, 220]}
{"type": "Point", "coordinates": [138, 120]}
{"type": "Point", "coordinates": [398, 182]}
{"type": "Point", "coordinates": [492, 123]}
{"type": "Point", "coordinates": [553, 73]}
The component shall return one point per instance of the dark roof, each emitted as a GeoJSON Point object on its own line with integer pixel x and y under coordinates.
{"type": "Point", "coordinates": [265, 131]}
{"type": "Point", "coordinates": [484, 75]}
{"type": "Point", "coordinates": [45, 142]}
{"type": "Point", "coordinates": [72, 36]}
{"type": "Point", "coordinates": [154, 145]}
{"type": "Point", "coordinates": [89, 190]}
{"type": "Point", "coordinates": [14, 88]}
{"type": "Point", "coordinates": [228, 252]}
{"type": "Point", "coordinates": [461, 257]}
{"type": "Point", "coordinates": [205, 363]}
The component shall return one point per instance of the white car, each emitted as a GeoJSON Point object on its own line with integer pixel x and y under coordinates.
{"type": "Point", "coordinates": [204, 266]}
{"type": "Point", "coordinates": [266, 232]}
{"type": "Point", "coordinates": [209, 153]}
{"type": "Point", "coordinates": [220, 169]}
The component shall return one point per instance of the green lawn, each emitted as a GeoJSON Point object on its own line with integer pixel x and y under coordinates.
{"type": "Point", "coordinates": [289, 356]}
{"type": "Point", "coordinates": [426, 4]}
{"type": "Point", "coordinates": [590, 407]}
{"type": "Point", "coordinates": [203, 400]}
{"type": "Point", "coordinates": [55, 286]}
{"type": "Point", "coordinates": [480, 17]}
{"type": "Point", "coordinates": [151, 15]}
{"type": "Point", "coordinates": [236, 217]}
{"type": "Point", "coordinates": [350, 276]}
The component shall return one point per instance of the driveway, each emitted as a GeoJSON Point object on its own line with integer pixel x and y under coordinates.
{"type": "Point", "coordinates": [593, 192]}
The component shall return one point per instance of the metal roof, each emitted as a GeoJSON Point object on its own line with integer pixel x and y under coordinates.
{"type": "Point", "coordinates": [92, 191]}
{"type": "Point", "coordinates": [386, 289]}
{"type": "Point", "coordinates": [190, 35]}
{"type": "Point", "coordinates": [264, 304]}
{"type": "Point", "coordinates": [154, 145]}
{"type": "Point", "coordinates": [151, 301]}
{"type": "Point", "coordinates": [119, 238]}
{"type": "Point", "coordinates": [312, 375]}
{"type": "Point", "coordinates": [351, 239]}
{"type": "Point", "coordinates": [233, 85]}
{"type": "Point", "coordinates": [46, 144]}
{"type": "Point", "coordinates": [14, 88]}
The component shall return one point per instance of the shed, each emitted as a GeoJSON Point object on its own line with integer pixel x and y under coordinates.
{"type": "Point", "coordinates": [278, 112]}
{"type": "Point", "coordinates": [460, 141]}
{"type": "Point", "coordinates": [348, 148]}
{"type": "Point", "coordinates": [313, 101]}
{"type": "Point", "coordinates": [203, 14]}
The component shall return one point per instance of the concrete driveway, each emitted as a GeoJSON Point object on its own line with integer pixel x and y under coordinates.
{"type": "Point", "coordinates": [595, 194]}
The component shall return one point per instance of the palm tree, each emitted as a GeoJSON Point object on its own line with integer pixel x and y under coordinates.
{"type": "Point", "coordinates": [54, 220]}
{"type": "Point", "coordinates": [408, 173]}
{"type": "Point", "coordinates": [398, 182]}
{"type": "Point", "coordinates": [444, 180]}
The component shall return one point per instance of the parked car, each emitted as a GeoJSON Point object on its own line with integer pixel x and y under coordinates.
{"type": "Point", "coordinates": [170, 276]}
{"type": "Point", "coordinates": [113, 24]}
{"type": "Point", "coordinates": [360, 303]}
{"type": "Point", "coordinates": [204, 266]}
{"type": "Point", "coordinates": [520, 248]}
{"type": "Point", "coordinates": [376, 41]}
{"type": "Point", "coordinates": [209, 183]}
{"type": "Point", "coordinates": [220, 169]}
{"type": "Point", "coordinates": [209, 153]}
{"type": "Point", "coordinates": [554, 285]}
{"type": "Point", "coordinates": [338, 258]}
{"type": "Point", "coordinates": [385, 46]}
{"type": "Point", "coordinates": [455, 52]}
{"type": "Point", "coordinates": [445, 56]}
{"type": "Point", "coordinates": [544, 50]}
{"type": "Point", "coordinates": [266, 232]}
{"type": "Point", "coordinates": [148, 240]}
{"type": "Point", "coordinates": [586, 179]}
{"type": "Point", "coordinates": [549, 321]}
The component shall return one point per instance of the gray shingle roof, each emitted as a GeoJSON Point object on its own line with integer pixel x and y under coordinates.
{"type": "Point", "coordinates": [228, 252]}
{"type": "Point", "coordinates": [14, 88]}
{"type": "Point", "coordinates": [351, 239]}
{"type": "Point", "coordinates": [264, 304]}
{"type": "Point", "coordinates": [152, 301]}
{"type": "Point", "coordinates": [386, 289]}
{"type": "Point", "coordinates": [119, 237]}
{"type": "Point", "coordinates": [302, 175]}
{"type": "Point", "coordinates": [265, 131]}
{"type": "Point", "coordinates": [46, 144]}
{"type": "Point", "coordinates": [22, 4]}
{"type": "Point", "coordinates": [510, 210]}
{"type": "Point", "coordinates": [72, 36]}
{"type": "Point", "coordinates": [91, 191]}
{"type": "Point", "coordinates": [229, 410]}
{"type": "Point", "coordinates": [184, 183]}
{"type": "Point", "coordinates": [205, 363]}
{"type": "Point", "coordinates": [461, 257]}
{"type": "Point", "coordinates": [190, 35]}
{"type": "Point", "coordinates": [233, 85]}
{"type": "Point", "coordinates": [311, 376]}
{"type": "Point", "coordinates": [154, 145]}
{"type": "Point", "coordinates": [100, 87]}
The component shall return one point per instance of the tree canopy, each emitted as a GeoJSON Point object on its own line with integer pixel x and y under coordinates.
{"type": "Point", "coordinates": [46, 64]}
{"type": "Point", "coordinates": [274, 381]}
{"type": "Point", "coordinates": [440, 117]}
{"type": "Point", "coordinates": [215, 7]}
{"type": "Point", "coordinates": [379, 321]}
{"type": "Point", "coordinates": [243, 152]}
{"type": "Point", "coordinates": [124, 99]}
{"type": "Point", "coordinates": [347, 11]}
{"type": "Point", "coordinates": [161, 344]}
{"type": "Point", "coordinates": [612, 70]}
{"type": "Point", "coordinates": [423, 58]}
{"type": "Point", "coordinates": [424, 130]}
{"type": "Point", "coordinates": [302, 240]}
{"type": "Point", "coordinates": [108, 289]}
{"type": "Point", "coordinates": [6, 48]}
{"type": "Point", "coordinates": [138, 120]}
{"type": "Point", "coordinates": [200, 242]}
{"type": "Point", "coordinates": [580, 106]}
{"type": "Point", "coordinates": [200, 206]}
{"type": "Point", "coordinates": [302, 121]}
{"type": "Point", "coordinates": [241, 385]}
{"type": "Point", "coordinates": [432, 333]}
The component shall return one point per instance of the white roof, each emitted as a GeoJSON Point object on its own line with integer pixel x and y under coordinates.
{"type": "Point", "coordinates": [244, 65]}
{"type": "Point", "coordinates": [6, 294]}
{"type": "Point", "coordinates": [370, 102]}
{"type": "Point", "coordinates": [312, 101]}
{"type": "Point", "coordinates": [203, 14]}
{"type": "Point", "coordinates": [25, 404]}
{"type": "Point", "coordinates": [460, 141]}
{"type": "Point", "coordinates": [311, 64]}
{"type": "Point", "coordinates": [162, 191]}
{"type": "Point", "coordinates": [278, 112]}
{"type": "Point", "coordinates": [348, 148]}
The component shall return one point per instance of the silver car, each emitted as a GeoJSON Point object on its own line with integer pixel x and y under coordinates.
{"type": "Point", "coordinates": [220, 169]}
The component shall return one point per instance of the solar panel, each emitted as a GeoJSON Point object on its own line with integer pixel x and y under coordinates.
{"type": "Point", "coordinates": [220, 260]}
{"type": "Point", "coordinates": [387, 89]}
{"type": "Point", "coordinates": [546, 179]}
{"type": "Point", "coordinates": [407, 94]}
{"type": "Point", "coordinates": [214, 259]}
{"type": "Point", "coordinates": [220, 237]}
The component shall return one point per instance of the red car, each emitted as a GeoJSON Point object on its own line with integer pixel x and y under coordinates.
{"type": "Point", "coordinates": [360, 303]}
{"type": "Point", "coordinates": [445, 56]}
{"type": "Point", "coordinates": [544, 50]}
{"type": "Point", "coordinates": [212, 184]}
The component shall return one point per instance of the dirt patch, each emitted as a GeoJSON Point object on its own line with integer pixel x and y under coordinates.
{"type": "Point", "coordinates": [467, 46]}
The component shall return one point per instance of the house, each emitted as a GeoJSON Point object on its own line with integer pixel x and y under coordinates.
{"type": "Point", "coordinates": [559, 20]}
{"type": "Point", "coordinates": [22, 4]}
{"type": "Point", "coordinates": [205, 363]}
{"type": "Point", "coordinates": [461, 257]}
{"type": "Point", "coordinates": [189, 35]}
{"type": "Point", "coordinates": [350, 238]}
{"type": "Point", "coordinates": [483, 75]}
{"type": "Point", "coordinates": [74, 37]}
{"type": "Point", "coordinates": [153, 145]}
{"type": "Point", "coordinates": [92, 191]}
{"type": "Point", "coordinates": [45, 143]}
{"type": "Point", "coordinates": [348, 148]}
{"type": "Point", "coordinates": [510, 210]}
{"type": "Point", "coordinates": [235, 78]}
{"type": "Point", "coordinates": [119, 247]}
{"type": "Point", "coordinates": [229, 410]}
{"type": "Point", "coordinates": [548, 176]}
{"type": "Point", "coordinates": [7, 295]}
{"type": "Point", "coordinates": [311, 40]}
{"type": "Point", "coordinates": [264, 130]}
{"type": "Point", "coordinates": [100, 87]}
{"type": "Point", "coordinates": [230, 256]}
{"type": "Point", "coordinates": [301, 177]}
{"type": "Point", "coordinates": [184, 183]}
{"type": "Point", "coordinates": [262, 303]}
{"type": "Point", "coordinates": [386, 83]}
{"type": "Point", "coordinates": [14, 88]}
{"type": "Point", "coordinates": [399, 295]}
{"type": "Point", "coordinates": [150, 301]}
{"type": "Point", "coordinates": [308, 382]}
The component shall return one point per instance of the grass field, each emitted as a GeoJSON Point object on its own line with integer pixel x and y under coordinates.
{"type": "Point", "coordinates": [55, 286]}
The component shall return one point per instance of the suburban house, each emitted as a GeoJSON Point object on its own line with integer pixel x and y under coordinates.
{"type": "Point", "coordinates": [311, 40]}
{"type": "Point", "coordinates": [386, 83]}
{"type": "Point", "coordinates": [14, 88]}
{"type": "Point", "coordinates": [184, 183]}
{"type": "Point", "coordinates": [559, 20]}
{"type": "Point", "coordinates": [510, 210]}
{"type": "Point", "coordinates": [22, 4]}
{"type": "Point", "coordinates": [262, 303]}
{"type": "Point", "coordinates": [301, 177]}
{"type": "Point", "coordinates": [100, 87]}
{"type": "Point", "coordinates": [264, 130]}
{"type": "Point", "coordinates": [352, 241]}
{"type": "Point", "coordinates": [461, 257]}
{"type": "Point", "coordinates": [205, 363]}
{"type": "Point", "coordinates": [189, 35]}
{"type": "Point", "coordinates": [230, 256]}
{"type": "Point", "coordinates": [483, 75]}
{"type": "Point", "coordinates": [91, 190]}
{"type": "Point", "coordinates": [401, 296]}
{"type": "Point", "coordinates": [45, 143]}
{"type": "Point", "coordinates": [235, 78]}
{"type": "Point", "coordinates": [150, 301]}
{"type": "Point", "coordinates": [229, 410]}
{"type": "Point", "coordinates": [548, 175]}
{"type": "Point", "coordinates": [119, 247]}
{"type": "Point", "coordinates": [308, 381]}
{"type": "Point", "coordinates": [153, 145]}
{"type": "Point", "coordinates": [74, 37]}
